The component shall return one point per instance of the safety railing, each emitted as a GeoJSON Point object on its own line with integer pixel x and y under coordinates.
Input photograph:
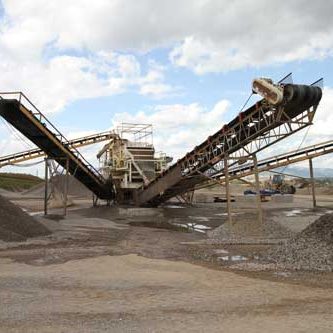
{"type": "Point", "coordinates": [31, 107]}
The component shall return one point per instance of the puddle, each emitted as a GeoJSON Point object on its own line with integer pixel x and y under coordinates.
{"type": "Point", "coordinates": [173, 206]}
{"type": "Point", "coordinates": [226, 214]}
{"type": "Point", "coordinates": [220, 251]}
{"type": "Point", "coordinates": [232, 258]}
{"type": "Point", "coordinates": [199, 218]}
{"type": "Point", "coordinates": [161, 225]}
{"type": "Point", "coordinates": [194, 227]}
{"type": "Point", "coordinates": [294, 212]}
{"type": "Point", "coordinates": [185, 227]}
{"type": "Point", "coordinates": [36, 213]}
{"type": "Point", "coordinates": [198, 226]}
{"type": "Point", "coordinates": [297, 212]}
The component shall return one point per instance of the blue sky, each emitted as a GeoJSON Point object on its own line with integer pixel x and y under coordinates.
{"type": "Point", "coordinates": [184, 66]}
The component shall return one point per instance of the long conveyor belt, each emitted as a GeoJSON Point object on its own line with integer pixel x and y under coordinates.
{"type": "Point", "coordinates": [258, 127]}
{"type": "Point", "coordinates": [271, 163]}
{"type": "Point", "coordinates": [27, 119]}
{"type": "Point", "coordinates": [31, 154]}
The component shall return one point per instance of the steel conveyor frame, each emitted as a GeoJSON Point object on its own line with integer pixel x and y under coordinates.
{"type": "Point", "coordinates": [20, 112]}
{"type": "Point", "coordinates": [31, 154]}
{"type": "Point", "coordinates": [258, 127]}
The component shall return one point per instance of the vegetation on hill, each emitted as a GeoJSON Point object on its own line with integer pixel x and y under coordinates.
{"type": "Point", "coordinates": [18, 181]}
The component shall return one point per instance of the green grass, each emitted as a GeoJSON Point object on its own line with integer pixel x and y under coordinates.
{"type": "Point", "coordinates": [18, 181]}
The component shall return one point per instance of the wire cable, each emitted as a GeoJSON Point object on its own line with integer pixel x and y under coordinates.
{"type": "Point", "coordinates": [300, 145]}
{"type": "Point", "coordinates": [14, 132]}
{"type": "Point", "coordinates": [246, 102]}
{"type": "Point", "coordinates": [25, 165]}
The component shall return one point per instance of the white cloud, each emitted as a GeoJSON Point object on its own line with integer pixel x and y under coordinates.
{"type": "Point", "coordinates": [61, 51]}
{"type": "Point", "coordinates": [65, 78]}
{"type": "Point", "coordinates": [206, 35]}
{"type": "Point", "coordinates": [179, 127]}
{"type": "Point", "coordinates": [15, 142]}
{"type": "Point", "coordinates": [243, 34]}
{"type": "Point", "coordinates": [323, 120]}
{"type": "Point", "coordinates": [205, 55]}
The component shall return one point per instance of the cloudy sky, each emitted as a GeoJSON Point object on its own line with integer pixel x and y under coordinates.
{"type": "Point", "coordinates": [185, 66]}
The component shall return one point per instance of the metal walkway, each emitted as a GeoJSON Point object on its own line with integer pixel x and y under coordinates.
{"type": "Point", "coordinates": [258, 127]}
{"type": "Point", "coordinates": [27, 119]}
{"type": "Point", "coordinates": [31, 154]}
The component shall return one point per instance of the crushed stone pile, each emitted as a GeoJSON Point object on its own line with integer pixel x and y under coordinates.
{"type": "Point", "coordinates": [249, 231]}
{"type": "Point", "coordinates": [16, 225]}
{"type": "Point", "coordinates": [311, 249]}
{"type": "Point", "coordinates": [75, 188]}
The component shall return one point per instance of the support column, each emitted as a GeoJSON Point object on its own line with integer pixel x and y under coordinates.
{"type": "Point", "coordinates": [46, 186]}
{"type": "Point", "coordinates": [227, 189]}
{"type": "Point", "coordinates": [258, 196]}
{"type": "Point", "coordinates": [66, 186]}
{"type": "Point", "coordinates": [312, 184]}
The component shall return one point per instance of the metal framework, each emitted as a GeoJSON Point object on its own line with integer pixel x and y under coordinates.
{"type": "Point", "coordinates": [247, 137]}
{"type": "Point", "coordinates": [140, 133]}
{"type": "Point", "coordinates": [27, 155]}
{"type": "Point", "coordinates": [18, 110]}
{"type": "Point", "coordinates": [256, 128]}
{"type": "Point", "coordinates": [52, 189]}
{"type": "Point", "coordinates": [271, 163]}
{"type": "Point", "coordinates": [253, 130]}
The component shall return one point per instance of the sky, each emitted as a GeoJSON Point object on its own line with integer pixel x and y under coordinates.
{"type": "Point", "coordinates": [184, 66]}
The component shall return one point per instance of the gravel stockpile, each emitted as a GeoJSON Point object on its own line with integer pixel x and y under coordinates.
{"type": "Point", "coordinates": [16, 225]}
{"type": "Point", "coordinates": [248, 230]}
{"type": "Point", "coordinates": [311, 249]}
{"type": "Point", "coordinates": [75, 188]}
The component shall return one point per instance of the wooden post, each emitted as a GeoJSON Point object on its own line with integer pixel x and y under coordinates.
{"type": "Point", "coordinates": [227, 189]}
{"type": "Point", "coordinates": [46, 186]}
{"type": "Point", "coordinates": [258, 196]}
{"type": "Point", "coordinates": [312, 184]}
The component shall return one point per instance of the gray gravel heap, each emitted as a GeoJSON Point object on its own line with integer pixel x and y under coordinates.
{"type": "Point", "coordinates": [311, 249]}
{"type": "Point", "coordinates": [248, 230]}
{"type": "Point", "coordinates": [16, 225]}
{"type": "Point", "coordinates": [75, 188]}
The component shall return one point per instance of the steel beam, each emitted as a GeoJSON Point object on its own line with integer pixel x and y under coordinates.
{"type": "Point", "coordinates": [38, 153]}
{"type": "Point", "coordinates": [253, 130]}
{"type": "Point", "coordinates": [313, 190]}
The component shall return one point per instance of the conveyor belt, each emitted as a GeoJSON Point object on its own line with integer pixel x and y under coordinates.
{"type": "Point", "coordinates": [274, 162]}
{"type": "Point", "coordinates": [27, 119]}
{"type": "Point", "coordinates": [251, 131]}
{"type": "Point", "coordinates": [31, 154]}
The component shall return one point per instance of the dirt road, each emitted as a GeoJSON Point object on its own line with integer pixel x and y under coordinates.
{"type": "Point", "coordinates": [135, 294]}
{"type": "Point", "coordinates": [141, 270]}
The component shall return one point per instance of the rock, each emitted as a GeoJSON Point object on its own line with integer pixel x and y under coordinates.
{"type": "Point", "coordinates": [311, 249]}
{"type": "Point", "coordinates": [16, 225]}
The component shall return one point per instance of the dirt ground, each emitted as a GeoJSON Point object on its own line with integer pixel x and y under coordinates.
{"type": "Point", "coordinates": [151, 270]}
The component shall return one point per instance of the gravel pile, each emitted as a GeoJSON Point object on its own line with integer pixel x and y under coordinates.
{"type": "Point", "coordinates": [248, 230]}
{"type": "Point", "coordinates": [75, 188]}
{"type": "Point", "coordinates": [16, 225]}
{"type": "Point", "coordinates": [311, 249]}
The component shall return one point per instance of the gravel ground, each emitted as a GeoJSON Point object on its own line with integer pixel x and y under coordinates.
{"type": "Point", "coordinates": [311, 249]}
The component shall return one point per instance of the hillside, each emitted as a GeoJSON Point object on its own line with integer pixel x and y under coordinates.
{"type": "Point", "coordinates": [18, 181]}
